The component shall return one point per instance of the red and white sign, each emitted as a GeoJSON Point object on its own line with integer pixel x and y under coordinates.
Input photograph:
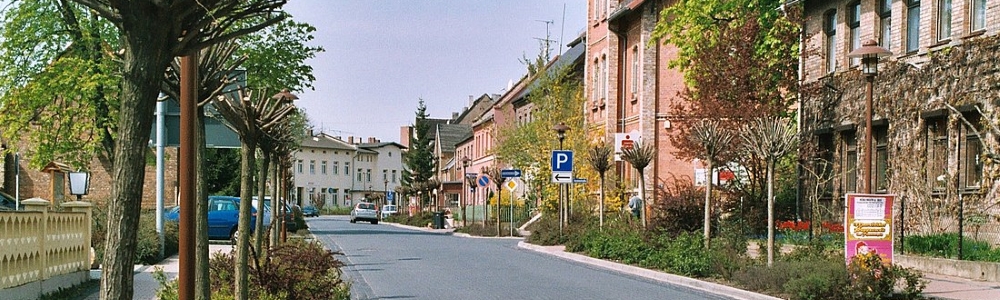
{"type": "Point", "coordinates": [625, 141]}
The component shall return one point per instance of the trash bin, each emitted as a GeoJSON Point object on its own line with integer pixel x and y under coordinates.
{"type": "Point", "coordinates": [438, 220]}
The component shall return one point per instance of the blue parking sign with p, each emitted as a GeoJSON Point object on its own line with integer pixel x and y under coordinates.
{"type": "Point", "coordinates": [562, 161]}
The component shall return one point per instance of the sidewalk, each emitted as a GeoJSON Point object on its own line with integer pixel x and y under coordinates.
{"type": "Point", "coordinates": [145, 286]}
{"type": "Point", "coordinates": [938, 286]}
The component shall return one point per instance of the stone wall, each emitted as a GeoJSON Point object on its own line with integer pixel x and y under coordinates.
{"type": "Point", "coordinates": [965, 76]}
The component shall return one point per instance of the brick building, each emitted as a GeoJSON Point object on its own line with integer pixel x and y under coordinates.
{"type": "Point", "coordinates": [934, 99]}
{"type": "Point", "coordinates": [630, 89]}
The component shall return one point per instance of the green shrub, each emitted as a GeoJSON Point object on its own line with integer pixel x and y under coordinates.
{"type": "Point", "coordinates": [935, 245]}
{"type": "Point", "coordinates": [295, 270]}
{"type": "Point", "coordinates": [545, 232]}
{"type": "Point", "coordinates": [147, 248]}
{"type": "Point", "coordinates": [335, 210]}
{"type": "Point", "coordinates": [871, 279]}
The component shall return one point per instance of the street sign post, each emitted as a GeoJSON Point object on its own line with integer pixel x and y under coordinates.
{"type": "Point", "coordinates": [510, 185]}
{"type": "Point", "coordinates": [562, 166]}
{"type": "Point", "coordinates": [510, 173]}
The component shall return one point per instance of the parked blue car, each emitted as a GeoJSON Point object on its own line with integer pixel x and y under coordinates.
{"type": "Point", "coordinates": [223, 217]}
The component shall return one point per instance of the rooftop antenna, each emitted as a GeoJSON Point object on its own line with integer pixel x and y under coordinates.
{"type": "Point", "coordinates": [562, 30]}
{"type": "Point", "coordinates": [547, 35]}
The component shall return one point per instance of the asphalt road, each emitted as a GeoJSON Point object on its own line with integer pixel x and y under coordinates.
{"type": "Point", "coordinates": [389, 262]}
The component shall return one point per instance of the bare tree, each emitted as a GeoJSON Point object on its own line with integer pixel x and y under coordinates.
{"type": "Point", "coordinates": [714, 140]}
{"type": "Point", "coordinates": [599, 157]}
{"type": "Point", "coordinates": [639, 156]}
{"type": "Point", "coordinates": [251, 117]}
{"type": "Point", "coordinates": [769, 138]}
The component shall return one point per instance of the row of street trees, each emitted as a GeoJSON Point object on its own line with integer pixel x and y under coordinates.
{"type": "Point", "coordinates": [89, 73]}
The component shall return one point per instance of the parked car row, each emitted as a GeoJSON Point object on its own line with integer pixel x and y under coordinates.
{"type": "Point", "coordinates": [223, 216]}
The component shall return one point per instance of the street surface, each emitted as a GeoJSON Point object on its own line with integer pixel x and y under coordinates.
{"type": "Point", "coordinates": [389, 262]}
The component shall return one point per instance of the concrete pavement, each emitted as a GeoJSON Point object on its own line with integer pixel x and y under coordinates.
{"type": "Point", "coordinates": [145, 286]}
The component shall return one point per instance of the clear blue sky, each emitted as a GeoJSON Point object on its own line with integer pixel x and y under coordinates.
{"type": "Point", "coordinates": [382, 56]}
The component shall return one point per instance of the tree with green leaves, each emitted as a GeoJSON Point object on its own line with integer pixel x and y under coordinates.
{"type": "Point", "coordinates": [739, 59]}
{"type": "Point", "coordinates": [557, 96]}
{"type": "Point", "coordinates": [639, 156]}
{"type": "Point", "coordinates": [152, 33]}
{"type": "Point", "coordinates": [419, 159]}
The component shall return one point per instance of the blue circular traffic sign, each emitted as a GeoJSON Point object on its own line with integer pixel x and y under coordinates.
{"type": "Point", "coordinates": [483, 180]}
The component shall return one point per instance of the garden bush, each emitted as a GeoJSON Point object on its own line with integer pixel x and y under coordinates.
{"type": "Point", "coordinates": [945, 245]}
{"type": "Point", "coordinates": [872, 279]}
{"type": "Point", "coordinates": [295, 270]}
{"type": "Point", "coordinates": [147, 250]}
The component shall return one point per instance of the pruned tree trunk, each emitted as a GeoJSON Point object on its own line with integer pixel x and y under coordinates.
{"type": "Point", "coordinates": [247, 151]}
{"type": "Point", "coordinates": [770, 213]}
{"type": "Point", "coordinates": [203, 287]}
{"type": "Point", "coordinates": [708, 206]}
{"type": "Point", "coordinates": [276, 165]}
{"type": "Point", "coordinates": [261, 192]}
{"type": "Point", "coordinates": [143, 51]}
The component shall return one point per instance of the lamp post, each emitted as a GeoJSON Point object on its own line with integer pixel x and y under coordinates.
{"type": "Point", "coordinates": [79, 184]}
{"type": "Point", "coordinates": [385, 190]}
{"type": "Point", "coordinates": [461, 200]}
{"type": "Point", "coordinates": [561, 130]}
{"type": "Point", "coordinates": [869, 54]}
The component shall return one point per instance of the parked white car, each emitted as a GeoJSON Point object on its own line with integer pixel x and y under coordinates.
{"type": "Point", "coordinates": [388, 210]}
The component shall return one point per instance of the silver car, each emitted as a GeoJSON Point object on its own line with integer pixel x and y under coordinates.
{"type": "Point", "coordinates": [365, 211]}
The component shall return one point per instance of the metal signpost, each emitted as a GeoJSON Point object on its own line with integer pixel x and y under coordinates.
{"type": "Point", "coordinates": [562, 172]}
{"type": "Point", "coordinates": [482, 181]}
{"type": "Point", "coordinates": [511, 185]}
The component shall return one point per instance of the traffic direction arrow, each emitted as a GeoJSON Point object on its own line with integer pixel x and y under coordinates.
{"type": "Point", "coordinates": [510, 173]}
{"type": "Point", "coordinates": [562, 177]}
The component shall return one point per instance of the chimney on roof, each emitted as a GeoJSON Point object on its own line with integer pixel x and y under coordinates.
{"type": "Point", "coordinates": [350, 140]}
{"type": "Point", "coordinates": [310, 132]}
{"type": "Point", "coordinates": [378, 141]}
{"type": "Point", "coordinates": [495, 97]}
{"type": "Point", "coordinates": [371, 140]}
{"type": "Point", "coordinates": [339, 138]}
{"type": "Point", "coordinates": [471, 100]}
{"type": "Point", "coordinates": [454, 116]}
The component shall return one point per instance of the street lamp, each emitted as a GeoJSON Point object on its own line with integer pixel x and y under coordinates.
{"type": "Point", "coordinates": [465, 165]}
{"type": "Point", "coordinates": [79, 183]}
{"type": "Point", "coordinates": [561, 130]}
{"type": "Point", "coordinates": [869, 54]}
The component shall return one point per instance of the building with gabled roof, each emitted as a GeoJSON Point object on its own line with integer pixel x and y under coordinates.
{"type": "Point", "coordinates": [336, 172]}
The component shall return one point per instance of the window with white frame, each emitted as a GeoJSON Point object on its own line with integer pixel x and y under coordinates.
{"type": "Point", "coordinates": [369, 175]}
{"type": "Point", "coordinates": [944, 20]}
{"type": "Point", "coordinates": [360, 174]}
{"type": "Point", "coordinates": [312, 167]}
{"type": "Point", "coordinates": [635, 72]}
{"type": "Point", "coordinates": [347, 168]}
{"type": "Point", "coordinates": [912, 25]}
{"type": "Point", "coordinates": [322, 167]}
{"type": "Point", "coordinates": [977, 12]}
{"type": "Point", "coordinates": [830, 31]}
{"type": "Point", "coordinates": [335, 168]}
{"type": "Point", "coordinates": [885, 23]}
{"type": "Point", "coordinates": [393, 176]}
{"type": "Point", "coordinates": [299, 166]}
{"type": "Point", "coordinates": [854, 22]}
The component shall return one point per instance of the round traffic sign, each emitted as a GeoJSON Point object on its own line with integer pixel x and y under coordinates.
{"type": "Point", "coordinates": [483, 180]}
